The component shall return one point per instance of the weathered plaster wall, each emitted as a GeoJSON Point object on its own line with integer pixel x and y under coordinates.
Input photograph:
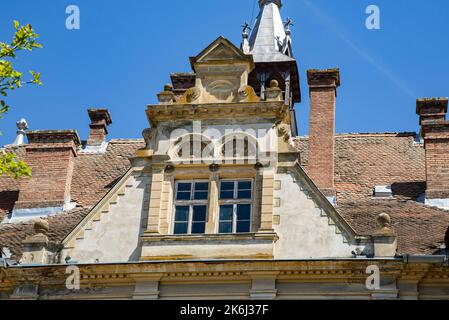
{"type": "Point", "coordinates": [304, 230]}
{"type": "Point", "coordinates": [115, 238]}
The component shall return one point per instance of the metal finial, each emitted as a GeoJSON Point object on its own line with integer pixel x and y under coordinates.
{"type": "Point", "coordinates": [22, 126]}
{"type": "Point", "coordinates": [246, 27]}
{"type": "Point", "coordinates": [288, 23]}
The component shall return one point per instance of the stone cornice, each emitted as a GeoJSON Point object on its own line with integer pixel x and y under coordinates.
{"type": "Point", "coordinates": [216, 111]}
{"type": "Point", "coordinates": [211, 237]}
{"type": "Point", "coordinates": [323, 78]}
{"type": "Point", "coordinates": [336, 269]}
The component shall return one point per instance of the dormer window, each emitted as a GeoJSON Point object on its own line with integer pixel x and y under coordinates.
{"type": "Point", "coordinates": [191, 207]}
{"type": "Point", "coordinates": [383, 192]}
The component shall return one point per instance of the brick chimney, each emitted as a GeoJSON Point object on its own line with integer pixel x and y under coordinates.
{"type": "Point", "coordinates": [50, 156]}
{"type": "Point", "coordinates": [323, 86]}
{"type": "Point", "coordinates": [100, 119]}
{"type": "Point", "coordinates": [435, 131]}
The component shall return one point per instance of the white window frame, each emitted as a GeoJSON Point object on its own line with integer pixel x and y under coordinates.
{"type": "Point", "coordinates": [235, 202]}
{"type": "Point", "coordinates": [189, 203]}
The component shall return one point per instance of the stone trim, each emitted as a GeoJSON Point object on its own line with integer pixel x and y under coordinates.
{"type": "Point", "coordinates": [264, 109]}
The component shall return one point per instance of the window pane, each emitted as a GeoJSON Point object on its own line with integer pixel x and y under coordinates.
{"type": "Point", "coordinates": [201, 186]}
{"type": "Point", "coordinates": [226, 213]}
{"type": "Point", "coordinates": [184, 191]}
{"type": "Point", "coordinates": [183, 196]}
{"type": "Point", "coordinates": [227, 190]}
{"type": "Point", "coordinates": [228, 185]}
{"type": "Point", "coordinates": [245, 194]}
{"type": "Point", "coordinates": [181, 228]}
{"type": "Point", "coordinates": [224, 195]}
{"type": "Point", "coordinates": [225, 227]}
{"type": "Point", "coordinates": [199, 213]}
{"type": "Point", "coordinates": [245, 185]}
{"type": "Point", "coordinates": [243, 227]}
{"type": "Point", "coordinates": [198, 228]}
{"type": "Point", "coordinates": [182, 214]}
{"type": "Point", "coordinates": [243, 212]}
{"type": "Point", "coordinates": [201, 195]}
{"type": "Point", "coordinates": [184, 187]}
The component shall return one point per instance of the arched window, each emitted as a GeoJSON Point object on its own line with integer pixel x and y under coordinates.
{"type": "Point", "coordinates": [193, 146]}
{"type": "Point", "coordinates": [239, 145]}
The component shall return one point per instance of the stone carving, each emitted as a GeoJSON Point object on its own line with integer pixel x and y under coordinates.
{"type": "Point", "coordinates": [384, 222]}
{"type": "Point", "coordinates": [167, 96]}
{"type": "Point", "coordinates": [41, 227]}
{"type": "Point", "coordinates": [283, 131]}
{"type": "Point", "coordinates": [247, 94]}
{"type": "Point", "coordinates": [150, 136]}
{"type": "Point", "coordinates": [190, 96]}
{"type": "Point", "coordinates": [221, 89]}
{"type": "Point", "coordinates": [274, 93]}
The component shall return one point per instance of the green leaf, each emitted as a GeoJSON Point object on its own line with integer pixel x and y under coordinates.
{"type": "Point", "coordinates": [16, 24]}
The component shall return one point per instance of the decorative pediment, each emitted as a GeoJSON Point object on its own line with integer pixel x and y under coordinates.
{"type": "Point", "coordinates": [221, 50]}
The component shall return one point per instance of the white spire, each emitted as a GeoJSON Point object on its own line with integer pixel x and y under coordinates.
{"type": "Point", "coordinates": [269, 39]}
{"type": "Point", "coordinates": [22, 126]}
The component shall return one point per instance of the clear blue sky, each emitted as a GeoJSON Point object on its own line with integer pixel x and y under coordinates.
{"type": "Point", "coordinates": [125, 50]}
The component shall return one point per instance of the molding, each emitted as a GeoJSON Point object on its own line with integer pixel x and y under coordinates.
{"type": "Point", "coordinates": [243, 110]}
{"type": "Point", "coordinates": [210, 237]}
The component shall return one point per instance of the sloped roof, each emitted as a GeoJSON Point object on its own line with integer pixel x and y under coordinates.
{"type": "Point", "coordinates": [363, 161]}
{"type": "Point", "coordinates": [268, 34]}
{"type": "Point", "coordinates": [94, 175]}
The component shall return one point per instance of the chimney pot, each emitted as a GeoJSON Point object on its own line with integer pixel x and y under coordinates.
{"type": "Point", "coordinates": [22, 126]}
{"type": "Point", "coordinates": [431, 109]}
{"type": "Point", "coordinates": [100, 119]}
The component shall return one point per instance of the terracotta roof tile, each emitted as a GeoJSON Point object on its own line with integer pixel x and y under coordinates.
{"type": "Point", "coordinates": [363, 161]}
{"type": "Point", "coordinates": [420, 229]}
{"type": "Point", "coordinates": [94, 175]}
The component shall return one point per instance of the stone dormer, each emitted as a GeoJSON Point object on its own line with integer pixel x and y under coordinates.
{"type": "Point", "coordinates": [222, 72]}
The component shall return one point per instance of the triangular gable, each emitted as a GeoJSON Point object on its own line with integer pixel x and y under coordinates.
{"type": "Point", "coordinates": [221, 50]}
{"type": "Point", "coordinates": [328, 209]}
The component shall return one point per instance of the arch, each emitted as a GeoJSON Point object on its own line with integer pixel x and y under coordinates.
{"type": "Point", "coordinates": [238, 145]}
{"type": "Point", "coordinates": [192, 146]}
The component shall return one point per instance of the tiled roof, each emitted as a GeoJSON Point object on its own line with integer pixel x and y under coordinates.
{"type": "Point", "coordinates": [94, 175]}
{"type": "Point", "coordinates": [420, 229]}
{"type": "Point", "coordinates": [363, 161]}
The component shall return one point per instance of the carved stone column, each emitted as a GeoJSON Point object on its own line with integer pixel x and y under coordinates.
{"type": "Point", "coordinates": [213, 207]}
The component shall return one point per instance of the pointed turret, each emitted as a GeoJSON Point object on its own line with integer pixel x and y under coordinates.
{"type": "Point", "coordinates": [270, 45]}
{"type": "Point", "coordinates": [269, 39]}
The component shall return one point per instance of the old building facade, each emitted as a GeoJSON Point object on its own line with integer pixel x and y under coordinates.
{"type": "Point", "coordinates": [222, 199]}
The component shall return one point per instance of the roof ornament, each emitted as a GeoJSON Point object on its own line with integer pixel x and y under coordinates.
{"type": "Point", "coordinates": [287, 25]}
{"type": "Point", "coordinates": [245, 47]}
{"type": "Point", "coordinates": [287, 45]}
{"type": "Point", "coordinates": [22, 126]}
